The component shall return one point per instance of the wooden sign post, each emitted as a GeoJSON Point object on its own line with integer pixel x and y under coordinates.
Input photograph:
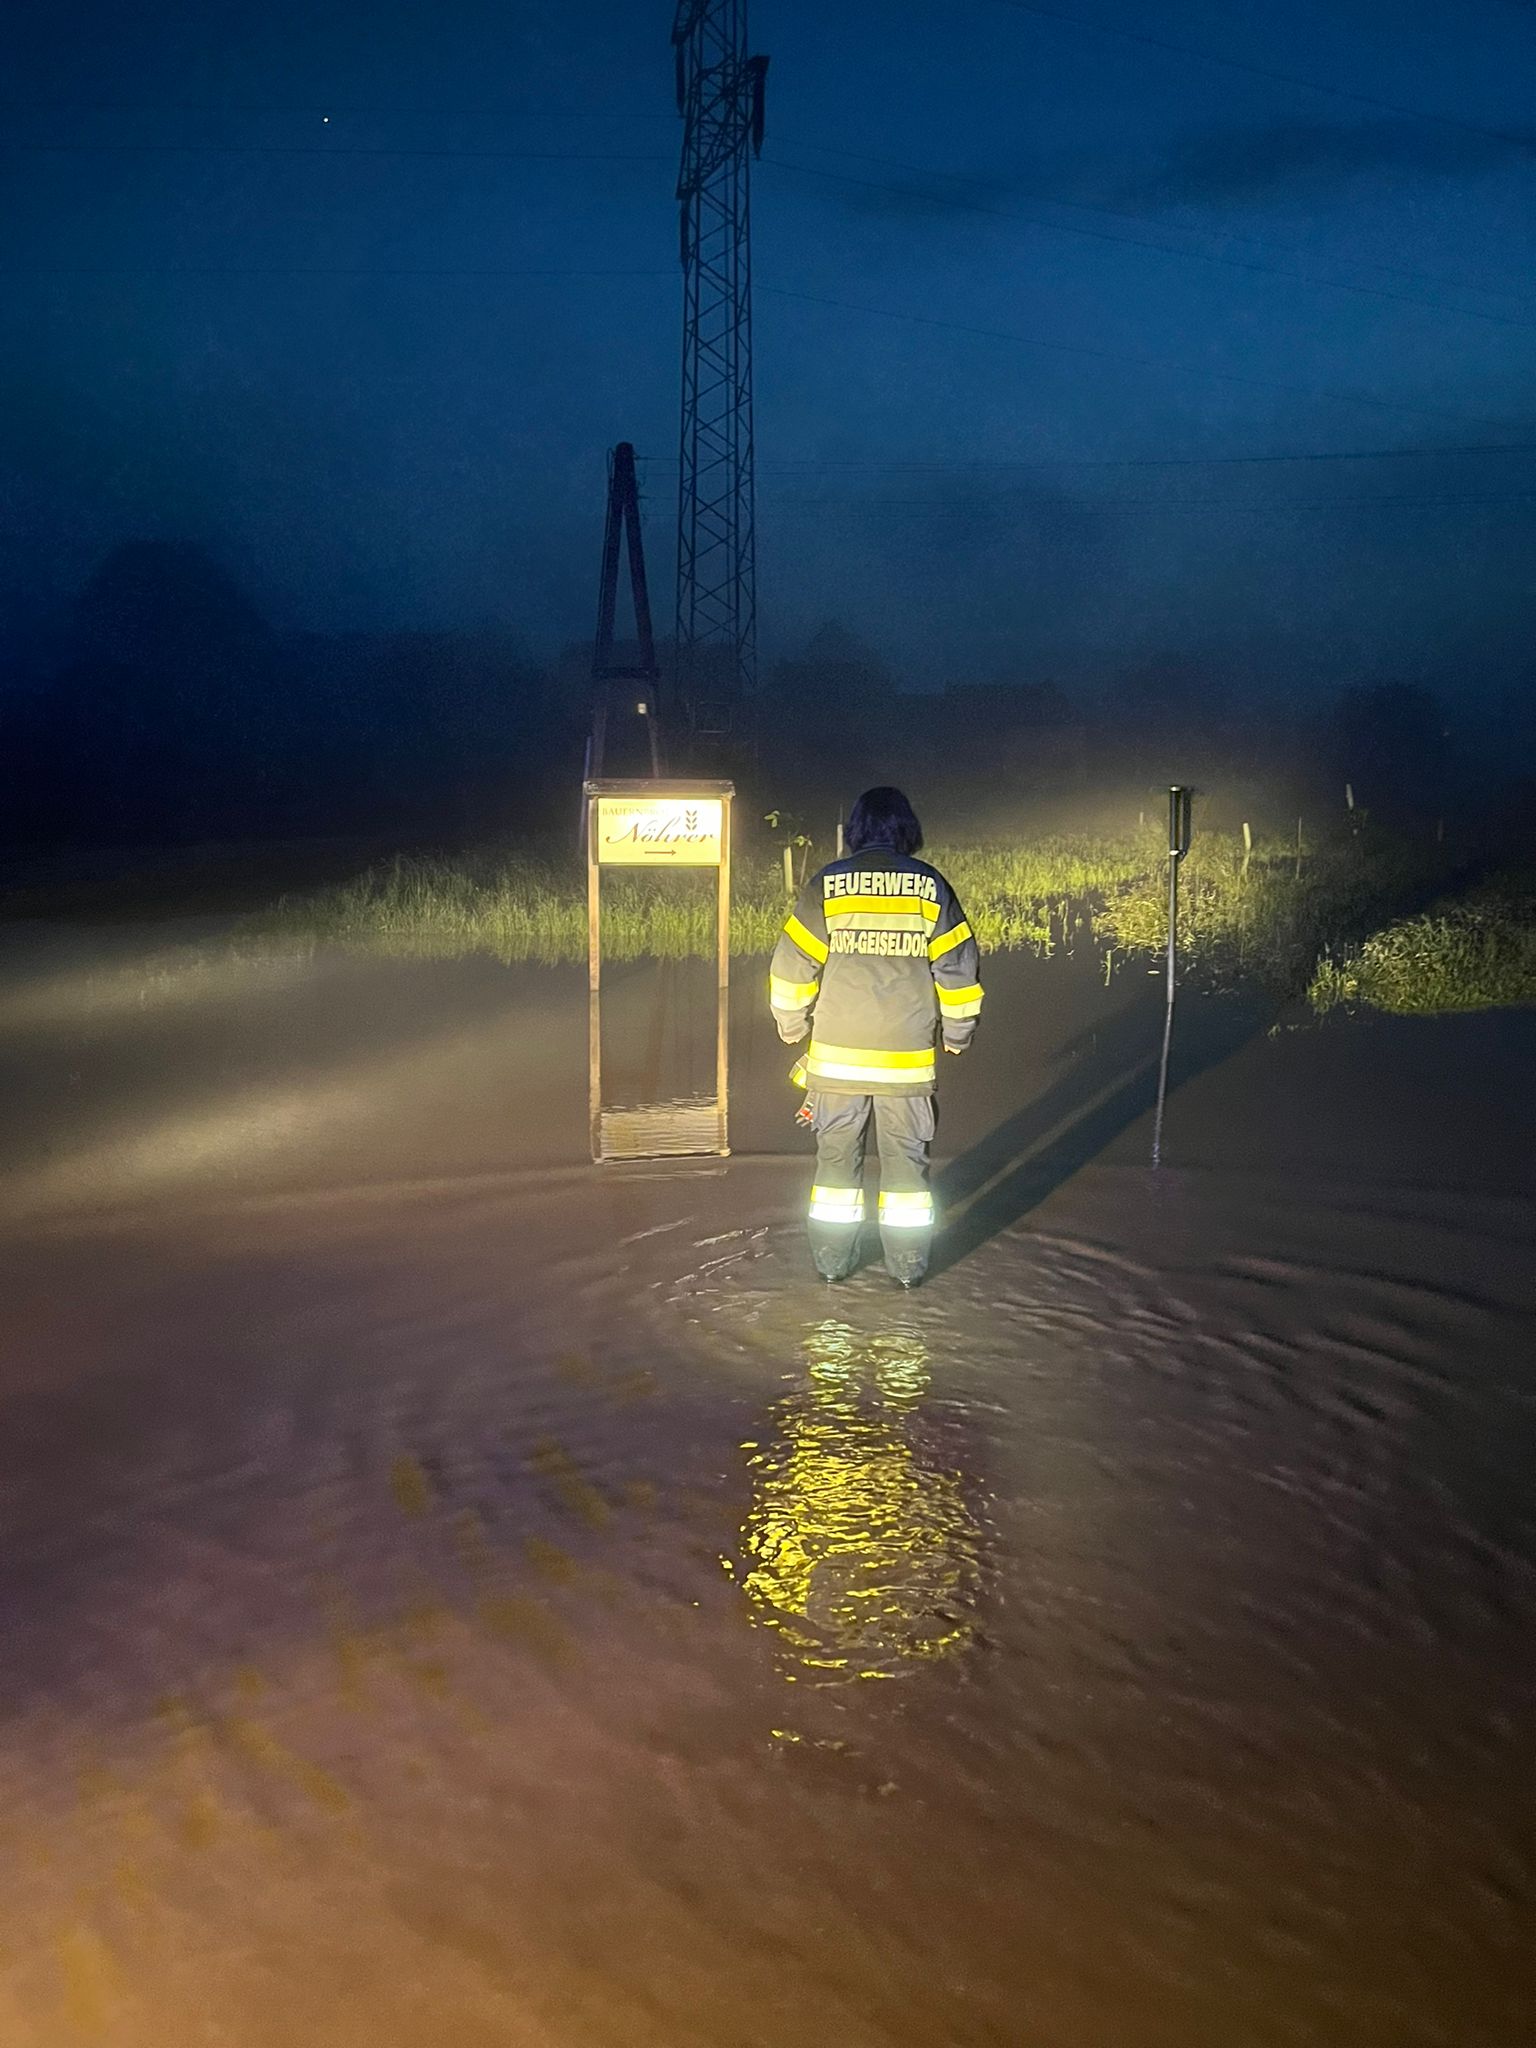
{"type": "Point", "coordinates": [658, 824]}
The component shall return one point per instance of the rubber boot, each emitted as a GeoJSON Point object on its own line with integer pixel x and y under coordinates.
{"type": "Point", "coordinates": [907, 1264]}
{"type": "Point", "coordinates": [906, 1233]}
{"type": "Point", "coordinates": [836, 1254]}
{"type": "Point", "coordinates": [834, 1224]}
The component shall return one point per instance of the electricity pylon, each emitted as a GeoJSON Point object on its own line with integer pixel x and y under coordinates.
{"type": "Point", "coordinates": [623, 524]}
{"type": "Point", "coordinates": [720, 97]}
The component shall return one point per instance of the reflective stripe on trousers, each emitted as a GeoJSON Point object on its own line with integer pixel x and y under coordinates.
{"type": "Point", "coordinates": [906, 1211]}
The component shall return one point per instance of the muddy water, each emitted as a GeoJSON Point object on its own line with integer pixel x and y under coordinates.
{"type": "Point", "coordinates": [482, 1606]}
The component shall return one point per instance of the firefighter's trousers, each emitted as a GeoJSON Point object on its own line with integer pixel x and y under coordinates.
{"type": "Point", "coordinates": [904, 1127]}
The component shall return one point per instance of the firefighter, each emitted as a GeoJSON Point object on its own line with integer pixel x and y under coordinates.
{"type": "Point", "coordinates": [875, 957]}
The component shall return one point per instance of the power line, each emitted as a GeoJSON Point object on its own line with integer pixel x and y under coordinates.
{"type": "Point", "coordinates": [1277, 506]}
{"type": "Point", "coordinates": [821, 465]}
{"type": "Point", "coordinates": [496, 272]}
{"type": "Point", "coordinates": [940, 199]}
{"type": "Point", "coordinates": [1143, 242]}
{"type": "Point", "coordinates": [324, 149]}
{"type": "Point", "coordinates": [310, 270]}
{"type": "Point", "coordinates": [1526, 141]}
{"type": "Point", "coordinates": [1143, 219]}
{"type": "Point", "coordinates": [1119, 356]}
{"type": "Point", "coordinates": [631, 158]}
{"type": "Point", "coordinates": [324, 108]}
{"type": "Point", "coordinates": [1445, 449]}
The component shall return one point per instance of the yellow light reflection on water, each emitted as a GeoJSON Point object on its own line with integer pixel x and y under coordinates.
{"type": "Point", "coordinates": [860, 1548]}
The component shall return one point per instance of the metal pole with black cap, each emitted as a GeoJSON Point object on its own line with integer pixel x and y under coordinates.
{"type": "Point", "coordinates": [1179, 827]}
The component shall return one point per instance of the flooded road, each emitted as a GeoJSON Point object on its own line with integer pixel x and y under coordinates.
{"type": "Point", "coordinates": [468, 1603]}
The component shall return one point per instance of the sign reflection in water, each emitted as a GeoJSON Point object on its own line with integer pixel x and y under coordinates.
{"type": "Point", "coordinates": [860, 1548]}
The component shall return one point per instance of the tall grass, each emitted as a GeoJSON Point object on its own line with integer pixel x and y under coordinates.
{"type": "Point", "coordinates": [1476, 952]}
{"type": "Point", "coordinates": [515, 906]}
{"type": "Point", "coordinates": [1265, 914]}
{"type": "Point", "coordinates": [1041, 894]}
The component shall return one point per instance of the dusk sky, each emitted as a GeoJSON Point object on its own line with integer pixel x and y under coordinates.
{"type": "Point", "coordinates": [357, 299]}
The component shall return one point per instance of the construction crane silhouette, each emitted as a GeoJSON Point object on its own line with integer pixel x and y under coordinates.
{"type": "Point", "coordinates": [720, 97]}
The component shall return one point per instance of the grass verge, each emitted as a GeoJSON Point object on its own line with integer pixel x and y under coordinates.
{"type": "Point", "coordinates": [1261, 914]}
{"type": "Point", "coordinates": [1476, 952]}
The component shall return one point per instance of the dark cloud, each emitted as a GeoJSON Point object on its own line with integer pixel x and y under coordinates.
{"type": "Point", "coordinates": [1218, 164]}
{"type": "Point", "coordinates": [1234, 163]}
{"type": "Point", "coordinates": [897, 194]}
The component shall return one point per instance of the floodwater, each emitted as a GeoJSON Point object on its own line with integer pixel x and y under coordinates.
{"type": "Point", "coordinates": [458, 1595]}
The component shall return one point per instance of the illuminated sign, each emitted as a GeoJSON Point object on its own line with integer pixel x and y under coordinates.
{"type": "Point", "coordinates": [654, 824]}
{"type": "Point", "coordinates": [659, 831]}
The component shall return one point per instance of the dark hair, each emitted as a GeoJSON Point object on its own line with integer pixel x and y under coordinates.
{"type": "Point", "coordinates": [883, 817]}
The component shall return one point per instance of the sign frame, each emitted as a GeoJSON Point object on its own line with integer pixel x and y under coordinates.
{"type": "Point", "coordinates": [663, 791]}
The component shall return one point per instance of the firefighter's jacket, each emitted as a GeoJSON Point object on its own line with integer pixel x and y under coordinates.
{"type": "Point", "coordinates": [876, 953]}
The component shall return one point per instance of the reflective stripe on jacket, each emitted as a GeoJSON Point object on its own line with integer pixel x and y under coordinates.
{"type": "Point", "coordinates": [876, 953]}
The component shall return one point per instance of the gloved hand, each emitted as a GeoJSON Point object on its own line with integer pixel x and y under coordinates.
{"type": "Point", "coordinates": [799, 1078]}
{"type": "Point", "coordinates": [794, 1037]}
{"type": "Point", "coordinates": [955, 1049]}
